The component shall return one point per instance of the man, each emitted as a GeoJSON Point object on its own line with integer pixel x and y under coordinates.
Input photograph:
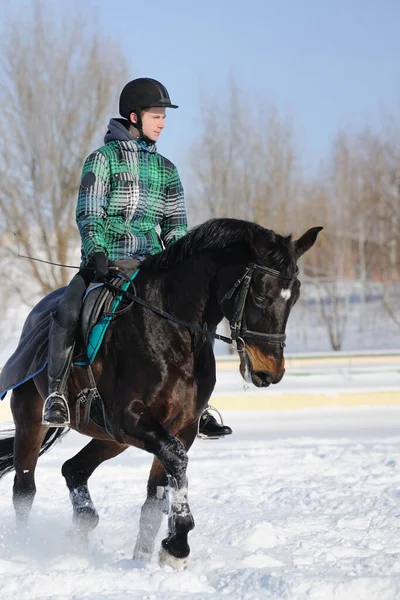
{"type": "Point", "coordinates": [126, 190]}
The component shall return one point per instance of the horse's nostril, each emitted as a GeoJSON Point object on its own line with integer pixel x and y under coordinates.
{"type": "Point", "coordinates": [262, 378]}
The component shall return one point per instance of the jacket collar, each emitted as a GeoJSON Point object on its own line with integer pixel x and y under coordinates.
{"type": "Point", "coordinates": [118, 130]}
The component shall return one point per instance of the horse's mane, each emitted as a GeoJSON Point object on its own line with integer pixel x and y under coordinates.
{"type": "Point", "coordinates": [219, 234]}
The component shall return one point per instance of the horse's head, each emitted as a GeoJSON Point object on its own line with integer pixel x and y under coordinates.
{"type": "Point", "coordinates": [257, 299]}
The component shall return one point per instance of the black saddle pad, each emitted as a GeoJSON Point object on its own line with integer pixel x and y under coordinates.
{"type": "Point", "coordinates": [30, 356]}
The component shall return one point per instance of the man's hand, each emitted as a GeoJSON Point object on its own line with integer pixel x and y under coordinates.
{"type": "Point", "coordinates": [101, 265]}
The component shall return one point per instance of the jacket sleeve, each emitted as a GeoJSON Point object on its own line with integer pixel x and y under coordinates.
{"type": "Point", "coordinates": [91, 210]}
{"type": "Point", "coordinates": [174, 224]}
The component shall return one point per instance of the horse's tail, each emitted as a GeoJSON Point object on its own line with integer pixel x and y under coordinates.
{"type": "Point", "coordinates": [7, 448]}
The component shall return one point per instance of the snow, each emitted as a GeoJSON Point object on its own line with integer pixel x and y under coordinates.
{"type": "Point", "coordinates": [295, 505]}
{"type": "Point", "coordinates": [369, 378]}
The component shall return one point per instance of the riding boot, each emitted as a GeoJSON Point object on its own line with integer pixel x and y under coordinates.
{"type": "Point", "coordinates": [210, 428]}
{"type": "Point", "coordinates": [55, 408]}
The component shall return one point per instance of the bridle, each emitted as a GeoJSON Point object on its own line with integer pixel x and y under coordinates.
{"type": "Point", "coordinates": [237, 322]}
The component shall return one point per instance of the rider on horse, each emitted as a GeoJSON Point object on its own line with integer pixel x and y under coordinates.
{"type": "Point", "coordinates": [126, 190]}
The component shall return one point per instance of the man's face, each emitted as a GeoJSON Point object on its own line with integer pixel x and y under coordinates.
{"type": "Point", "coordinates": [153, 122]}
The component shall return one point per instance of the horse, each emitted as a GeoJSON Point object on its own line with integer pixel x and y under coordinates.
{"type": "Point", "coordinates": [155, 371]}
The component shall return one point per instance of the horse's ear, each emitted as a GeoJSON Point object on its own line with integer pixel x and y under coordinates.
{"type": "Point", "coordinates": [306, 241]}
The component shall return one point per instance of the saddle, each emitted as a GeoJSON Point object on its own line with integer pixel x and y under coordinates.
{"type": "Point", "coordinates": [99, 305]}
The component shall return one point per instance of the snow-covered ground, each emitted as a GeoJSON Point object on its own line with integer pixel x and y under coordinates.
{"type": "Point", "coordinates": [313, 380]}
{"type": "Point", "coordinates": [301, 505]}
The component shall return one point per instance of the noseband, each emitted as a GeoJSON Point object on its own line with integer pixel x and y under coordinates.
{"type": "Point", "coordinates": [237, 322]}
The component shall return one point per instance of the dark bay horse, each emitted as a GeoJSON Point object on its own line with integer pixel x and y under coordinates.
{"type": "Point", "coordinates": [155, 375]}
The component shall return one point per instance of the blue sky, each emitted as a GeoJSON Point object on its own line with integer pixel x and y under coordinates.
{"type": "Point", "coordinates": [330, 64]}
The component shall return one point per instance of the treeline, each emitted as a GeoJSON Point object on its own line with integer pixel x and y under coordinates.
{"type": "Point", "coordinates": [247, 164]}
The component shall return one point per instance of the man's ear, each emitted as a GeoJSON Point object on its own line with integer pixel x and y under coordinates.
{"type": "Point", "coordinates": [133, 117]}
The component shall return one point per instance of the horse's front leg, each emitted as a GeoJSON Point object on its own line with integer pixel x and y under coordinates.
{"type": "Point", "coordinates": [140, 423]}
{"type": "Point", "coordinates": [157, 502]}
{"type": "Point", "coordinates": [151, 513]}
{"type": "Point", "coordinates": [175, 548]}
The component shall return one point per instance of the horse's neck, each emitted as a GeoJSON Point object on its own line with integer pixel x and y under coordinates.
{"type": "Point", "coordinates": [188, 292]}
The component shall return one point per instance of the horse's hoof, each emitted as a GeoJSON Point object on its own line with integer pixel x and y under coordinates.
{"type": "Point", "coordinates": [165, 558]}
{"type": "Point", "coordinates": [85, 517]}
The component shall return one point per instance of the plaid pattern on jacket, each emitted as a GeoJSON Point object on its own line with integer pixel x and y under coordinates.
{"type": "Point", "coordinates": [126, 190]}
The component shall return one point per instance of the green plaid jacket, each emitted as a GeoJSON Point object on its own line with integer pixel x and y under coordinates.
{"type": "Point", "coordinates": [126, 190]}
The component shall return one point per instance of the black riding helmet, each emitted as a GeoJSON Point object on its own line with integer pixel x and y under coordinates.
{"type": "Point", "coordinates": [143, 93]}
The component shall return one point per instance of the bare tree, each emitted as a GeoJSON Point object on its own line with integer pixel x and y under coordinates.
{"type": "Point", "coordinates": [359, 252]}
{"type": "Point", "coordinates": [245, 163]}
{"type": "Point", "coordinates": [60, 83]}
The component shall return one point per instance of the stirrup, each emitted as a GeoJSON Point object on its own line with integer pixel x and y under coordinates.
{"type": "Point", "coordinates": [62, 399]}
{"type": "Point", "coordinates": [210, 408]}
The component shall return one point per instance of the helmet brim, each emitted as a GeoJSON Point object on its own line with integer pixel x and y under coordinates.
{"type": "Point", "coordinates": [162, 105]}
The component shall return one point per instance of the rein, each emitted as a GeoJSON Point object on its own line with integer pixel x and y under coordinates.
{"type": "Point", "coordinates": [237, 322]}
{"type": "Point", "coordinates": [158, 311]}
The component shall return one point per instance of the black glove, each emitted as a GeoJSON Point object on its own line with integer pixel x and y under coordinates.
{"type": "Point", "coordinates": [101, 265]}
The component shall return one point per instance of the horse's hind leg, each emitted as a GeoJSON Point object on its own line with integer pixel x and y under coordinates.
{"type": "Point", "coordinates": [26, 406]}
{"type": "Point", "coordinates": [77, 471]}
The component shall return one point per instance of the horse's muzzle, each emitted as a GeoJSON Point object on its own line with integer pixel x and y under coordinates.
{"type": "Point", "coordinates": [265, 378]}
{"type": "Point", "coordinates": [258, 369]}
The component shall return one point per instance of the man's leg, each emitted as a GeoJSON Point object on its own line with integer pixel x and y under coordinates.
{"type": "Point", "coordinates": [61, 345]}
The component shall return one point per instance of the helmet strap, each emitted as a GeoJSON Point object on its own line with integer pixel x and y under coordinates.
{"type": "Point", "coordinates": [138, 124]}
{"type": "Point", "coordinates": [135, 133]}
{"type": "Point", "coordinates": [136, 128]}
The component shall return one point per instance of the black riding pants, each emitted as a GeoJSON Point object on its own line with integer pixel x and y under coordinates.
{"type": "Point", "coordinates": [69, 309]}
